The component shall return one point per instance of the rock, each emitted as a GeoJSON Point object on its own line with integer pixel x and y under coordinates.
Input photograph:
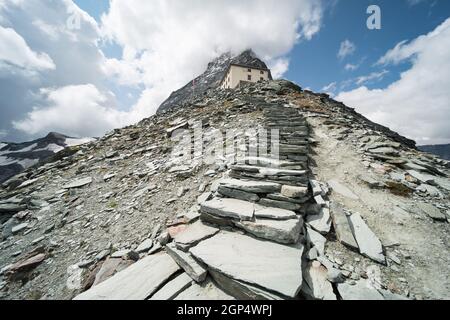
{"type": "Point", "coordinates": [342, 190]}
{"type": "Point", "coordinates": [164, 238]}
{"type": "Point", "coordinates": [27, 264]}
{"type": "Point", "coordinates": [126, 255]}
{"type": "Point", "coordinates": [204, 197]}
{"type": "Point", "coordinates": [319, 200]}
{"type": "Point", "coordinates": [432, 191]}
{"type": "Point", "coordinates": [315, 186]}
{"type": "Point", "coordinates": [241, 290]}
{"type": "Point", "coordinates": [177, 229]}
{"type": "Point", "coordinates": [229, 208]}
{"type": "Point", "coordinates": [11, 208]}
{"type": "Point", "coordinates": [372, 183]}
{"type": "Point", "coordinates": [108, 176]}
{"type": "Point", "coordinates": [187, 263]}
{"type": "Point", "coordinates": [156, 248]}
{"type": "Point", "coordinates": [173, 288]}
{"type": "Point", "coordinates": [274, 213]}
{"type": "Point", "coordinates": [342, 226]}
{"type": "Point", "coordinates": [206, 291]}
{"type": "Point", "coordinates": [193, 234]}
{"type": "Point", "coordinates": [320, 222]}
{"type": "Point", "coordinates": [145, 246]}
{"type": "Point", "coordinates": [431, 211]}
{"type": "Point", "coordinates": [19, 228]}
{"type": "Point", "coordinates": [261, 263]}
{"type": "Point", "coordinates": [78, 183]}
{"type": "Point", "coordinates": [368, 243]}
{"type": "Point", "coordinates": [137, 282]}
{"type": "Point", "coordinates": [360, 291]}
{"type": "Point", "coordinates": [238, 194]}
{"type": "Point", "coordinates": [155, 231]}
{"type": "Point", "coordinates": [75, 278]}
{"type": "Point", "coordinates": [294, 192]}
{"type": "Point", "coordinates": [385, 151]}
{"type": "Point", "coordinates": [316, 239]}
{"type": "Point", "coordinates": [281, 231]}
{"type": "Point", "coordinates": [279, 204]}
{"type": "Point", "coordinates": [316, 284]}
{"type": "Point", "coordinates": [423, 178]}
{"type": "Point", "coordinates": [251, 186]}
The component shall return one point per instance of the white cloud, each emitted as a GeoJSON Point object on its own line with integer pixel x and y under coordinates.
{"type": "Point", "coordinates": [14, 50]}
{"type": "Point", "coordinates": [347, 48]}
{"type": "Point", "coordinates": [75, 110]}
{"type": "Point", "coordinates": [374, 76]}
{"type": "Point", "coordinates": [330, 88]}
{"type": "Point", "coordinates": [418, 104]}
{"type": "Point", "coordinates": [167, 43]}
{"type": "Point", "coordinates": [351, 67]}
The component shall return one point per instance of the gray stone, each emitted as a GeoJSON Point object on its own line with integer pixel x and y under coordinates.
{"type": "Point", "coordinates": [342, 226]}
{"type": "Point", "coordinates": [281, 231]}
{"type": "Point", "coordinates": [372, 183]}
{"type": "Point", "coordinates": [173, 288]}
{"type": "Point", "coordinates": [342, 190]}
{"type": "Point", "coordinates": [78, 183]}
{"type": "Point", "coordinates": [294, 192]}
{"type": "Point", "coordinates": [319, 200]}
{"type": "Point", "coordinates": [251, 186]}
{"type": "Point", "coordinates": [204, 197]}
{"type": "Point", "coordinates": [360, 291]}
{"type": "Point", "coordinates": [264, 264]}
{"type": "Point", "coordinates": [279, 204]}
{"type": "Point", "coordinates": [316, 284]}
{"type": "Point", "coordinates": [238, 194]}
{"type": "Point", "coordinates": [187, 263]}
{"type": "Point", "coordinates": [206, 291]}
{"type": "Point", "coordinates": [316, 240]}
{"type": "Point", "coordinates": [320, 222]}
{"type": "Point", "coordinates": [431, 211]}
{"type": "Point", "coordinates": [229, 208]}
{"type": "Point", "coordinates": [423, 178]}
{"type": "Point", "coordinates": [19, 228]}
{"type": "Point", "coordinates": [145, 246]}
{"type": "Point", "coordinates": [274, 213]}
{"type": "Point", "coordinates": [315, 186]}
{"type": "Point", "coordinates": [194, 233]}
{"type": "Point", "coordinates": [241, 290]}
{"type": "Point", "coordinates": [368, 243]}
{"type": "Point", "coordinates": [137, 282]}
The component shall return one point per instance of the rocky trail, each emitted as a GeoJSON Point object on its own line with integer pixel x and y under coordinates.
{"type": "Point", "coordinates": [349, 210]}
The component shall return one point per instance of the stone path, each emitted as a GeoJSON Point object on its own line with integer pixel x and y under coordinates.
{"type": "Point", "coordinates": [260, 235]}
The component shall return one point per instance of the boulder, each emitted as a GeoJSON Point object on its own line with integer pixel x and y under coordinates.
{"type": "Point", "coordinates": [264, 264]}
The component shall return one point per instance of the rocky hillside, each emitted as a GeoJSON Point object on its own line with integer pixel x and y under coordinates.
{"type": "Point", "coordinates": [210, 79]}
{"type": "Point", "coordinates": [349, 209]}
{"type": "Point", "coordinates": [441, 150]}
{"type": "Point", "coordinates": [15, 157]}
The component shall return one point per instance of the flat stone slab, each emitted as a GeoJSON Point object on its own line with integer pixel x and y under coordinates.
{"type": "Point", "coordinates": [262, 263]}
{"type": "Point", "coordinates": [173, 288]}
{"type": "Point", "coordinates": [280, 204]}
{"type": "Point", "coordinates": [251, 186]}
{"type": "Point", "coordinates": [368, 243]}
{"type": "Point", "coordinates": [359, 291]}
{"type": "Point", "coordinates": [342, 190]}
{"type": "Point", "coordinates": [294, 192]}
{"type": "Point", "coordinates": [137, 282]}
{"type": "Point", "coordinates": [422, 177]}
{"type": "Point", "coordinates": [238, 194]}
{"type": "Point", "coordinates": [316, 239]}
{"type": "Point", "coordinates": [342, 227]}
{"type": "Point", "coordinates": [195, 233]}
{"type": "Point", "coordinates": [431, 211]}
{"type": "Point", "coordinates": [187, 263]}
{"type": "Point", "coordinates": [274, 213]}
{"type": "Point", "coordinates": [268, 171]}
{"type": "Point", "coordinates": [320, 222]}
{"type": "Point", "coordinates": [281, 231]}
{"type": "Point", "coordinates": [206, 291]}
{"type": "Point", "coordinates": [78, 183]}
{"type": "Point", "coordinates": [229, 208]}
{"type": "Point", "coordinates": [316, 284]}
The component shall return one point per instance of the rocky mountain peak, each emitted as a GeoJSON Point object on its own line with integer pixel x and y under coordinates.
{"type": "Point", "coordinates": [211, 78]}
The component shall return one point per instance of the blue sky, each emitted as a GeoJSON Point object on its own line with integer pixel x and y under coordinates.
{"type": "Point", "coordinates": [125, 57]}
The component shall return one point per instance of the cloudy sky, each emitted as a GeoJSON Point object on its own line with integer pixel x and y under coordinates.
{"type": "Point", "coordinates": [83, 67]}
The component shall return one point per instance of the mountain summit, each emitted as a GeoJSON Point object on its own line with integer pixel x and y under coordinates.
{"type": "Point", "coordinates": [211, 78]}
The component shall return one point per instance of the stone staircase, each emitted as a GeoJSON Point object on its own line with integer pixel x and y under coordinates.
{"type": "Point", "coordinates": [250, 240]}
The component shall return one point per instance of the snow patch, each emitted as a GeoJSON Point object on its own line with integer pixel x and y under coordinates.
{"type": "Point", "coordinates": [72, 142]}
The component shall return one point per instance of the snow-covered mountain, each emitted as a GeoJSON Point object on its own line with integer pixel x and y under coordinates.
{"type": "Point", "coordinates": [15, 157]}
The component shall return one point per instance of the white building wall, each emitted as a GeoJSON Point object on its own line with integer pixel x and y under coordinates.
{"type": "Point", "coordinates": [236, 74]}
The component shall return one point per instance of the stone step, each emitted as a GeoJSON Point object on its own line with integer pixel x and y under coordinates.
{"type": "Point", "coordinates": [289, 180]}
{"type": "Point", "coordinates": [229, 209]}
{"type": "Point", "coordinates": [137, 282]}
{"type": "Point", "coordinates": [268, 172]}
{"type": "Point", "coordinates": [264, 264]}
{"type": "Point", "coordinates": [251, 186]}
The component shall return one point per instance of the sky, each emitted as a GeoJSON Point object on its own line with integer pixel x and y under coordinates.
{"type": "Point", "coordinates": [85, 67]}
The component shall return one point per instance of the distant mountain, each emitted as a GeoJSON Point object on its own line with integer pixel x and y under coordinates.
{"type": "Point", "coordinates": [16, 157]}
{"type": "Point", "coordinates": [441, 150]}
{"type": "Point", "coordinates": [211, 78]}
